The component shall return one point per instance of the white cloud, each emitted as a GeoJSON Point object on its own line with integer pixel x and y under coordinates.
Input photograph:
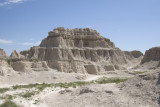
{"type": "Point", "coordinates": [2, 41]}
{"type": "Point", "coordinates": [30, 43]}
{"type": "Point", "coordinates": [7, 2]}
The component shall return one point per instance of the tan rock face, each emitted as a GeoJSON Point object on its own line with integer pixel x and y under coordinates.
{"type": "Point", "coordinates": [71, 50]}
{"type": "Point", "coordinates": [2, 54]}
{"type": "Point", "coordinates": [152, 54]}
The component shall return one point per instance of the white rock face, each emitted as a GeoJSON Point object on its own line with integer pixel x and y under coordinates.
{"type": "Point", "coordinates": [69, 50]}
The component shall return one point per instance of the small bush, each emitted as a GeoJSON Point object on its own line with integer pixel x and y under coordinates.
{"type": "Point", "coordinates": [8, 103]}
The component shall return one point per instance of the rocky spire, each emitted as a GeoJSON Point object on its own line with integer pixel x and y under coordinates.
{"type": "Point", "coordinates": [15, 54]}
{"type": "Point", "coordinates": [2, 54]}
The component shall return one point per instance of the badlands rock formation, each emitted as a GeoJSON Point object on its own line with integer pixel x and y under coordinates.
{"type": "Point", "coordinates": [78, 50]}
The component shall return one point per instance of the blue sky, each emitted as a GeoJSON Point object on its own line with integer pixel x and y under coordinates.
{"type": "Point", "coordinates": [130, 24]}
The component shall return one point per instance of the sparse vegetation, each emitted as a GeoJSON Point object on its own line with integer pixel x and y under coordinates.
{"type": "Point", "coordinates": [40, 87]}
{"type": "Point", "coordinates": [25, 86]}
{"type": "Point", "coordinates": [9, 97]}
{"type": "Point", "coordinates": [139, 72]}
{"type": "Point", "coordinates": [3, 90]}
{"type": "Point", "coordinates": [29, 94]}
{"type": "Point", "coordinates": [8, 103]}
{"type": "Point", "coordinates": [105, 80]}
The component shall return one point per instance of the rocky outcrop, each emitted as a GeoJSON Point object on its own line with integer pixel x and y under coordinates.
{"type": "Point", "coordinates": [15, 54]}
{"type": "Point", "coordinates": [152, 54]}
{"type": "Point", "coordinates": [76, 50]}
{"type": "Point", "coordinates": [2, 54]}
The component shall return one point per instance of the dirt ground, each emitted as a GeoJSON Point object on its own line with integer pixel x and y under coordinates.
{"type": "Point", "coordinates": [140, 90]}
